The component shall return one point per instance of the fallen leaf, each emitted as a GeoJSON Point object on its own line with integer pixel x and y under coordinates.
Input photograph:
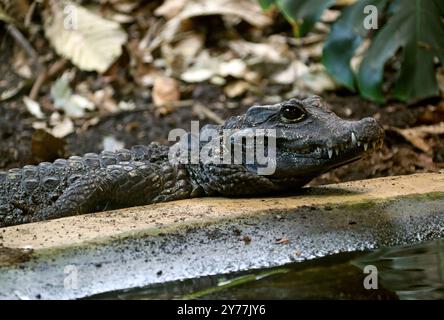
{"type": "Point", "coordinates": [125, 5]}
{"type": "Point", "coordinates": [126, 105]}
{"type": "Point", "coordinates": [207, 67]}
{"type": "Point", "coordinates": [283, 240]}
{"type": "Point", "coordinates": [170, 8]}
{"type": "Point", "coordinates": [91, 42]}
{"type": "Point", "coordinates": [317, 80]}
{"type": "Point", "coordinates": [21, 65]}
{"type": "Point", "coordinates": [180, 55]}
{"type": "Point", "coordinates": [165, 91]}
{"type": "Point", "coordinates": [288, 76]}
{"type": "Point", "coordinates": [33, 108]}
{"type": "Point", "coordinates": [313, 78]}
{"type": "Point", "coordinates": [72, 104]}
{"type": "Point", "coordinates": [104, 99]}
{"type": "Point", "coordinates": [62, 127]}
{"type": "Point", "coordinates": [417, 135]}
{"type": "Point", "coordinates": [275, 50]}
{"type": "Point", "coordinates": [432, 114]}
{"type": "Point", "coordinates": [203, 69]}
{"type": "Point", "coordinates": [194, 75]}
{"type": "Point", "coordinates": [234, 67]}
{"type": "Point", "coordinates": [247, 10]}
{"type": "Point", "coordinates": [236, 88]}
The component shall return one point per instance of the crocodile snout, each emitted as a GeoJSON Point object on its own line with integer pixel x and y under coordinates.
{"type": "Point", "coordinates": [368, 131]}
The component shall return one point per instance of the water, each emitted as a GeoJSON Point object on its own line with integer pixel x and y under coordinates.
{"type": "Point", "coordinates": [411, 272]}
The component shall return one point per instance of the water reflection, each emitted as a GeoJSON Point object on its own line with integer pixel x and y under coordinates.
{"type": "Point", "coordinates": [413, 272]}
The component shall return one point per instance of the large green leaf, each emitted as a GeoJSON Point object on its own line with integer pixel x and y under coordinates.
{"type": "Point", "coordinates": [417, 28]}
{"type": "Point", "coordinates": [347, 34]}
{"type": "Point", "coordinates": [304, 12]}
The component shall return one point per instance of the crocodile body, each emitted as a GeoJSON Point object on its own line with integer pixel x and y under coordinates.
{"type": "Point", "coordinates": [310, 140]}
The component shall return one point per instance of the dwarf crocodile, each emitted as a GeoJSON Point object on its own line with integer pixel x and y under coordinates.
{"type": "Point", "coordinates": [309, 140]}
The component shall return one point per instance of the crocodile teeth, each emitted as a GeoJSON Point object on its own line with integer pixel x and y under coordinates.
{"type": "Point", "coordinates": [358, 143]}
{"type": "Point", "coordinates": [374, 144]}
{"type": "Point", "coordinates": [354, 140]}
{"type": "Point", "coordinates": [330, 153]}
{"type": "Point", "coordinates": [337, 151]}
{"type": "Point", "coordinates": [365, 146]}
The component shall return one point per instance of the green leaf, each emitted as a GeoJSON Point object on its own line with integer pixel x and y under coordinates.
{"type": "Point", "coordinates": [305, 13]}
{"type": "Point", "coordinates": [265, 4]}
{"type": "Point", "coordinates": [417, 28]}
{"type": "Point", "coordinates": [346, 35]}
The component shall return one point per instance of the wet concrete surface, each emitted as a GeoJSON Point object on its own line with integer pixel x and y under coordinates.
{"type": "Point", "coordinates": [80, 256]}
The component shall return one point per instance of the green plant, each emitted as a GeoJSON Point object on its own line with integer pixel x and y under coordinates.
{"type": "Point", "coordinates": [414, 29]}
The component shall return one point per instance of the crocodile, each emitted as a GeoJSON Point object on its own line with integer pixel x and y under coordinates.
{"type": "Point", "coordinates": [309, 140]}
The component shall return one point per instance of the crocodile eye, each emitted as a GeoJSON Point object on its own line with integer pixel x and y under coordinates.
{"type": "Point", "coordinates": [292, 113]}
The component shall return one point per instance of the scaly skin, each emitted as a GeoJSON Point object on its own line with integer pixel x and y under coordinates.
{"type": "Point", "coordinates": [310, 140]}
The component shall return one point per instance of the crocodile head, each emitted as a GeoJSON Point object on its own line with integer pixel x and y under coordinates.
{"type": "Point", "coordinates": [308, 138]}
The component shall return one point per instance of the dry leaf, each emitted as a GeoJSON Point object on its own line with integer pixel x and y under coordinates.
{"type": "Point", "coordinates": [283, 240]}
{"type": "Point", "coordinates": [170, 8]}
{"type": "Point", "coordinates": [288, 76]}
{"type": "Point", "coordinates": [316, 80]}
{"type": "Point", "coordinates": [165, 91]}
{"type": "Point", "coordinates": [62, 126]}
{"type": "Point", "coordinates": [234, 67]}
{"type": "Point", "coordinates": [91, 42]}
{"type": "Point", "coordinates": [197, 74]}
{"type": "Point", "coordinates": [207, 67]}
{"type": "Point", "coordinates": [236, 88]}
{"type": "Point", "coordinates": [204, 68]}
{"type": "Point", "coordinates": [104, 99]}
{"type": "Point", "coordinates": [313, 78]}
{"type": "Point", "coordinates": [33, 108]}
{"type": "Point", "coordinates": [21, 65]}
{"type": "Point", "coordinates": [432, 114]}
{"type": "Point", "coordinates": [247, 10]}
{"type": "Point", "coordinates": [73, 105]}
{"type": "Point", "coordinates": [275, 50]}
{"type": "Point", "coordinates": [183, 53]}
{"type": "Point", "coordinates": [417, 135]}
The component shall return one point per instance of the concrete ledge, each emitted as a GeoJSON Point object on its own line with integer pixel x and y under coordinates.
{"type": "Point", "coordinates": [191, 238]}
